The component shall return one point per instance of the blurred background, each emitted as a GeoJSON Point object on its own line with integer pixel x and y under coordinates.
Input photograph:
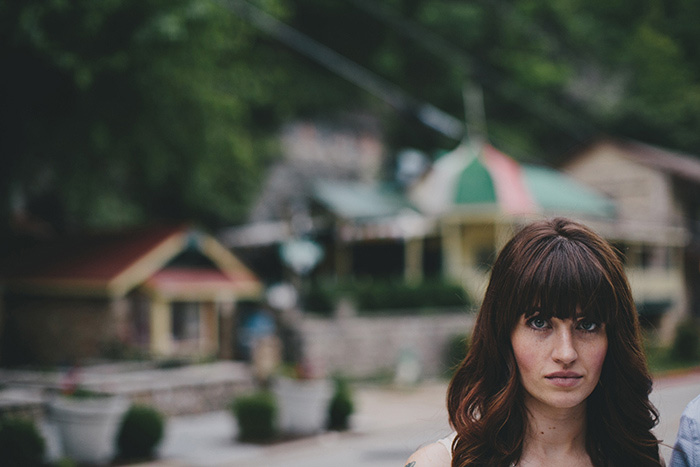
{"type": "Point", "coordinates": [206, 201]}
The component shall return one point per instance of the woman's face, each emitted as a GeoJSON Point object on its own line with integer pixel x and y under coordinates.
{"type": "Point", "coordinates": [559, 360]}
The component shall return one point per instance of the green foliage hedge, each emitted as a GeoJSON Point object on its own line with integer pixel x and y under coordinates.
{"type": "Point", "coordinates": [21, 444]}
{"type": "Point", "coordinates": [140, 432]}
{"type": "Point", "coordinates": [382, 295]}
{"type": "Point", "coordinates": [686, 344]}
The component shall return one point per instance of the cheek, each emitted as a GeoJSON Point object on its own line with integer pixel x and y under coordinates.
{"type": "Point", "coordinates": [526, 354]}
{"type": "Point", "coordinates": [596, 355]}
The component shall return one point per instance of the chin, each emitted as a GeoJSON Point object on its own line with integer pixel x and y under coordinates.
{"type": "Point", "coordinates": [567, 402]}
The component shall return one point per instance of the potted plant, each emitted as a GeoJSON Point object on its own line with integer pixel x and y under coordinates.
{"type": "Point", "coordinates": [87, 422]}
{"type": "Point", "coordinates": [341, 406]}
{"type": "Point", "coordinates": [303, 394]}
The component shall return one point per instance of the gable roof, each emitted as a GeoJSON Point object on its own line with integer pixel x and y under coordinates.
{"type": "Point", "coordinates": [113, 263]}
{"type": "Point", "coordinates": [675, 163]}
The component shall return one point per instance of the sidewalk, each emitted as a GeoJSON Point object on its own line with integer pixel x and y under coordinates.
{"type": "Point", "coordinates": [388, 425]}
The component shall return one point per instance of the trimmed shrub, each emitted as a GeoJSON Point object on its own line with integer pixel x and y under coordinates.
{"type": "Point", "coordinates": [21, 444]}
{"type": "Point", "coordinates": [140, 432]}
{"type": "Point", "coordinates": [341, 406]}
{"type": "Point", "coordinates": [256, 415]}
{"type": "Point", "coordinates": [686, 343]}
{"type": "Point", "coordinates": [386, 295]}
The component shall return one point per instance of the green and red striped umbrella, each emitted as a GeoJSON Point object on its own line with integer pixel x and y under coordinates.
{"type": "Point", "coordinates": [488, 181]}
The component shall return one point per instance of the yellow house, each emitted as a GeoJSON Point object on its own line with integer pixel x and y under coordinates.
{"type": "Point", "coordinates": [164, 291]}
{"type": "Point", "coordinates": [479, 196]}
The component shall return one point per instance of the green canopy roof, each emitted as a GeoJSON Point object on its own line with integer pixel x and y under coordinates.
{"type": "Point", "coordinates": [554, 191]}
{"type": "Point", "coordinates": [466, 180]}
{"type": "Point", "coordinates": [359, 200]}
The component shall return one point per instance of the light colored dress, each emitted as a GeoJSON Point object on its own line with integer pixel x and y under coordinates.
{"type": "Point", "coordinates": [447, 442]}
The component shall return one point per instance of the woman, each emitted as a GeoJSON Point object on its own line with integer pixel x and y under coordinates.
{"type": "Point", "coordinates": [556, 374]}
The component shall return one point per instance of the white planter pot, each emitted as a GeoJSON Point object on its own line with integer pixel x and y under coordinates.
{"type": "Point", "coordinates": [87, 427]}
{"type": "Point", "coordinates": [303, 405]}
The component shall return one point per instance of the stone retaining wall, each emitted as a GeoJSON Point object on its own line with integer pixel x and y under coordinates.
{"type": "Point", "coordinates": [176, 391]}
{"type": "Point", "coordinates": [365, 347]}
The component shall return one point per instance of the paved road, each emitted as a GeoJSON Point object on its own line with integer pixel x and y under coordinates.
{"type": "Point", "coordinates": [389, 425]}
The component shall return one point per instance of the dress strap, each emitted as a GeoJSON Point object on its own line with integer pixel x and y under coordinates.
{"type": "Point", "coordinates": [447, 442]}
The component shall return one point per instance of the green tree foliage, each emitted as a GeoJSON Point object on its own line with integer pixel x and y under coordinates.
{"type": "Point", "coordinates": [122, 111]}
{"type": "Point", "coordinates": [554, 74]}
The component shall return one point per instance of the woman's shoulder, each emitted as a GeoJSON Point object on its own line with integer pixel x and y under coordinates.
{"type": "Point", "coordinates": [431, 455]}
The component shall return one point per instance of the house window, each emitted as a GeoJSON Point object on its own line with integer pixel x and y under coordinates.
{"type": "Point", "coordinates": [185, 320]}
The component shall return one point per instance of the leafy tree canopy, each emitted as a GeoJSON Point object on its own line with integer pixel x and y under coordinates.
{"type": "Point", "coordinates": [554, 74]}
{"type": "Point", "coordinates": [122, 111]}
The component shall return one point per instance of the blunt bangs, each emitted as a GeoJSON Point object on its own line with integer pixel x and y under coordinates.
{"type": "Point", "coordinates": [565, 280]}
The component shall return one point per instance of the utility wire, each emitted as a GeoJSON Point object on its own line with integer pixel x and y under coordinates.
{"type": "Point", "coordinates": [427, 113]}
{"type": "Point", "coordinates": [430, 41]}
{"type": "Point", "coordinates": [474, 69]}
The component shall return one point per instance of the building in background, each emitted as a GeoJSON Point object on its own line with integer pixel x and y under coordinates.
{"type": "Point", "coordinates": [156, 291]}
{"type": "Point", "coordinates": [444, 220]}
{"type": "Point", "coordinates": [657, 196]}
{"type": "Point", "coordinates": [478, 197]}
{"type": "Point", "coordinates": [447, 219]}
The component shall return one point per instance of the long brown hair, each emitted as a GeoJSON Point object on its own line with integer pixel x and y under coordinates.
{"type": "Point", "coordinates": [560, 266]}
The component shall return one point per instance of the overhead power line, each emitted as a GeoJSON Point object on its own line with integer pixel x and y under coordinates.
{"type": "Point", "coordinates": [426, 113]}
{"type": "Point", "coordinates": [476, 72]}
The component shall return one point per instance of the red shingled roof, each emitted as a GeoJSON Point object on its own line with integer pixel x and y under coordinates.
{"type": "Point", "coordinates": [113, 263]}
{"type": "Point", "coordinates": [198, 280]}
{"type": "Point", "coordinates": [98, 257]}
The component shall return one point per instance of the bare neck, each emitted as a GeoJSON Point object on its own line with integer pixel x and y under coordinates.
{"type": "Point", "coordinates": [555, 436]}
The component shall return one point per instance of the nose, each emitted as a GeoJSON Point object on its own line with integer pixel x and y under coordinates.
{"type": "Point", "coordinates": [564, 351]}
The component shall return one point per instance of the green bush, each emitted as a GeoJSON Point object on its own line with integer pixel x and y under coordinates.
{"type": "Point", "coordinates": [21, 444]}
{"type": "Point", "coordinates": [321, 298]}
{"type": "Point", "coordinates": [341, 406]}
{"type": "Point", "coordinates": [256, 415]}
{"type": "Point", "coordinates": [64, 462]}
{"type": "Point", "coordinates": [386, 295]}
{"type": "Point", "coordinates": [171, 363]}
{"type": "Point", "coordinates": [81, 392]}
{"type": "Point", "coordinates": [140, 432]}
{"type": "Point", "coordinates": [686, 343]}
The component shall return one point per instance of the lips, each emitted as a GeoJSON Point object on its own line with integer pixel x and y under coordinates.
{"type": "Point", "coordinates": [564, 378]}
{"type": "Point", "coordinates": [564, 374]}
